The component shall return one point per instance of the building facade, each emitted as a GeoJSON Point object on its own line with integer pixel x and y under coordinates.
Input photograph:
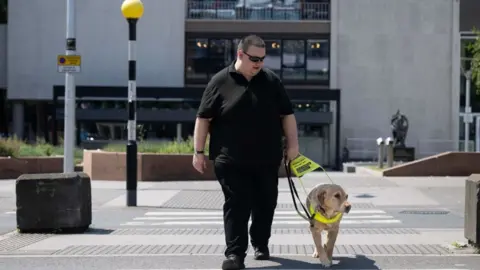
{"type": "Point", "coordinates": [382, 56]}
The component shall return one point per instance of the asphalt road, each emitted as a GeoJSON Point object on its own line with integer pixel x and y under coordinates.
{"type": "Point", "coordinates": [213, 262]}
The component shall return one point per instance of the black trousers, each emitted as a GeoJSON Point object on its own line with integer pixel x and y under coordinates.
{"type": "Point", "coordinates": [249, 190]}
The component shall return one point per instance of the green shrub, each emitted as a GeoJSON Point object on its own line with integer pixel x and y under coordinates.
{"type": "Point", "coordinates": [166, 147]}
{"type": "Point", "coordinates": [10, 147]}
{"type": "Point", "coordinates": [14, 147]}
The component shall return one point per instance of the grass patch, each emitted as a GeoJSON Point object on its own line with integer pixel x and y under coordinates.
{"type": "Point", "coordinates": [375, 168]}
{"type": "Point", "coordinates": [13, 147]}
{"type": "Point", "coordinates": [168, 147]}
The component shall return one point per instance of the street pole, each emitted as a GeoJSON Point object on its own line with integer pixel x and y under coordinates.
{"type": "Point", "coordinates": [132, 10]}
{"type": "Point", "coordinates": [70, 104]}
{"type": "Point", "coordinates": [132, 117]}
{"type": "Point", "coordinates": [468, 110]}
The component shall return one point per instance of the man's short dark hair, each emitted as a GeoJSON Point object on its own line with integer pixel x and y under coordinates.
{"type": "Point", "coordinates": [252, 40]}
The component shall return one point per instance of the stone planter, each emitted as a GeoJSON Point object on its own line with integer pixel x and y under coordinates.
{"type": "Point", "coordinates": [102, 165]}
{"type": "Point", "coordinates": [11, 168]}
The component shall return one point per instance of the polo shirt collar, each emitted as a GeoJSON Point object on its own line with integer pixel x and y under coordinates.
{"type": "Point", "coordinates": [231, 69]}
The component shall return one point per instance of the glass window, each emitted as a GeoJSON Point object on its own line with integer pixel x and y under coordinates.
{"type": "Point", "coordinates": [297, 60]}
{"type": "Point", "coordinates": [273, 59]}
{"type": "Point", "coordinates": [317, 59]}
{"type": "Point", "coordinates": [3, 11]}
{"type": "Point", "coordinates": [197, 58]}
{"type": "Point", "coordinates": [293, 60]}
{"type": "Point", "coordinates": [220, 54]}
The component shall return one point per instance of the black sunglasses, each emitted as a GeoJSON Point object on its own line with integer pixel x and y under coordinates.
{"type": "Point", "coordinates": [254, 59]}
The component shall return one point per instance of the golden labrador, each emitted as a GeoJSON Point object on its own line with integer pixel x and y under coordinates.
{"type": "Point", "coordinates": [329, 202]}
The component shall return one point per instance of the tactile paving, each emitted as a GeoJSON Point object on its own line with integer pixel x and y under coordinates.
{"type": "Point", "coordinates": [209, 231]}
{"type": "Point", "coordinates": [213, 199]}
{"type": "Point", "coordinates": [17, 241]}
{"type": "Point", "coordinates": [274, 249]}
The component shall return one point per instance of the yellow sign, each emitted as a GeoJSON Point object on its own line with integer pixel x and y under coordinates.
{"type": "Point", "coordinates": [302, 165]}
{"type": "Point", "coordinates": [69, 63]}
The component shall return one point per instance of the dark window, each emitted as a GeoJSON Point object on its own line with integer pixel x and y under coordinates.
{"type": "Point", "coordinates": [318, 53]}
{"type": "Point", "coordinates": [294, 60]}
{"type": "Point", "coordinates": [220, 55]}
{"type": "Point", "coordinates": [273, 60]}
{"type": "Point", "coordinates": [3, 11]}
{"type": "Point", "coordinates": [293, 67]}
{"type": "Point", "coordinates": [197, 59]}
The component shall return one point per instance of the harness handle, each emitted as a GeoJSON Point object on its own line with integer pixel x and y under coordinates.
{"type": "Point", "coordinates": [293, 192]}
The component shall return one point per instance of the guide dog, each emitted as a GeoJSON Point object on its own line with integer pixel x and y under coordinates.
{"type": "Point", "coordinates": [327, 203]}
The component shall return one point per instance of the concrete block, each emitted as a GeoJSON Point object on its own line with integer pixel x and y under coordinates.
{"type": "Point", "coordinates": [54, 202]}
{"type": "Point", "coordinates": [472, 209]}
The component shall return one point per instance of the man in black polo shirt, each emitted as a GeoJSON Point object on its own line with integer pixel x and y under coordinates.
{"type": "Point", "coordinates": [246, 110]}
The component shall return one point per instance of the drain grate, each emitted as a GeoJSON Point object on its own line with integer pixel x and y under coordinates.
{"type": "Point", "coordinates": [274, 249]}
{"type": "Point", "coordinates": [17, 241]}
{"type": "Point", "coordinates": [424, 212]}
{"type": "Point", "coordinates": [205, 231]}
{"type": "Point", "coordinates": [213, 199]}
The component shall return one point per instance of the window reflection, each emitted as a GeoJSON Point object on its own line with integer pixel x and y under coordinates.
{"type": "Point", "coordinates": [293, 60]}
{"type": "Point", "coordinates": [273, 59]}
{"type": "Point", "coordinates": [317, 59]}
{"type": "Point", "coordinates": [197, 59]}
{"type": "Point", "coordinates": [220, 55]}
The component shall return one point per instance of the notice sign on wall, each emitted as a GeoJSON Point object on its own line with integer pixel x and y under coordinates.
{"type": "Point", "coordinates": [69, 63]}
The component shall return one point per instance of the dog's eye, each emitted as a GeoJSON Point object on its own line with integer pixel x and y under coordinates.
{"type": "Point", "coordinates": [337, 196]}
{"type": "Point", "coordinates": [346, 196]}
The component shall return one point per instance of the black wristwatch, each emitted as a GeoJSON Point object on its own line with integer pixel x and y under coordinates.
{"type": "Point", "coordinates": [197, 152]}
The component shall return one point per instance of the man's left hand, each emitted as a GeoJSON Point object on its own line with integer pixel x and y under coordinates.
{"type": "Point", "coordinates": [292, 153]}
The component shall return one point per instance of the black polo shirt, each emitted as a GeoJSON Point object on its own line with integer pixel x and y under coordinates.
{"type": "Point", "coordinates": [246, 123]}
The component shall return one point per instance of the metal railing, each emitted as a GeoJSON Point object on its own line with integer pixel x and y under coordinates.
{"type": "Point", "coordinates": [246, 10]}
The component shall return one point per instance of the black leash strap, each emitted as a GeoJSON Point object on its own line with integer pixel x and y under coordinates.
{"type": "Point", "coordinates": [294, 192]}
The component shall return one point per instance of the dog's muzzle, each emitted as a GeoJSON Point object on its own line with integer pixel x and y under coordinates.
{"type": "Point", "coordinates": [347, 208]}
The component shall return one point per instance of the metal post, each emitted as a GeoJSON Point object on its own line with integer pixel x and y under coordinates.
{"type": "Point", "coordinates": [468, 110]}
{"type": "Point", "coordinates": [132, 116]}
{"type": "Point", "coordinates": [389, 143]}
{"type": "Point", "coordinates": [380, 144]}
{"type": "Point", "coordinates": [69, 124]}
{"type": "Point", "coordinates": [179, 132]}
{"type": "Point", "coordinates": [477, 135]}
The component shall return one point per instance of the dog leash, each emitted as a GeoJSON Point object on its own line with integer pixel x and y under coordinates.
{"type": "Point", "coordinates": [293, 191]}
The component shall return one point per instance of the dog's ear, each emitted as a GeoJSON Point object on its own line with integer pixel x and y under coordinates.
{"type": "Point", "coordinates": [321, 196]}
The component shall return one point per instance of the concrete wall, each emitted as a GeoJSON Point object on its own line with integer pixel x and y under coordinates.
{"type": "Point", "coordinates": [37, 35]}
{"type": "Point", "coordinates": [393, 55]}
{"type": "Point", "coordinates": [3, 55]}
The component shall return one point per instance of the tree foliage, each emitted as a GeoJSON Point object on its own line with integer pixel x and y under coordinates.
{"type": "Point", "coordinates": [474, 50]}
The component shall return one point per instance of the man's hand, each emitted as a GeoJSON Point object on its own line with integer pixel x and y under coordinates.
{"type": "Point", "coordinates": [292, 153]}
{"type": "Point", "coordinates": [199, 162]}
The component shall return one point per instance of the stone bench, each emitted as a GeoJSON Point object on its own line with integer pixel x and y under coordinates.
{"type": "Point", "coordinates": [54, 202]}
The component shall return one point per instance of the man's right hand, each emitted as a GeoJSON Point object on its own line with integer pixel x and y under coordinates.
{"type": "Point", "coordinates": [199, 162]}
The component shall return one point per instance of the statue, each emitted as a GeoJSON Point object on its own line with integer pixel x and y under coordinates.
{"type": "Point", "coordinates": [399, 125]}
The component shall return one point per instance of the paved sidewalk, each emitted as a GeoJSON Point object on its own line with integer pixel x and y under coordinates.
{"type": "Point", "coordinates": [178, 225]}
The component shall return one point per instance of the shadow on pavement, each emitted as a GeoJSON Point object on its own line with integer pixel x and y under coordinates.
{"type": "Point", "coordinates": [357, 262]}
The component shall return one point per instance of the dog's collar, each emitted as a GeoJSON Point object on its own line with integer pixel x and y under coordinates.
{"type": "Point", "coordinates": [321, 218]}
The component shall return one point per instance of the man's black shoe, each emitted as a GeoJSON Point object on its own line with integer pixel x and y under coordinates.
{"type": "Point", "coordinates": [261, 253]}
{"type": "Point", "coordinates": [233, 262]}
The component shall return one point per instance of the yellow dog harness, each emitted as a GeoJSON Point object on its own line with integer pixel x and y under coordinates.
{"type": "Point", "coordinates": [300, 166]}
{"type": "Point", "coordinates": [321, 218]}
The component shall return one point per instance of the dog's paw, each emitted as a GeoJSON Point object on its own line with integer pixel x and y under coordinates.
{"type": "Point", "coordinates": [315, 254]}
{"type": "Point", "coordinates": [326, 263]}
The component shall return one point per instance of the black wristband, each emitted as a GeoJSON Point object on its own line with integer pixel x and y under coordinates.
{"type": "Point", "coordinates": [199, 152]}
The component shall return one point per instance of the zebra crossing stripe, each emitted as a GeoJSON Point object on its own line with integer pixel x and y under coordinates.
{"type": "Point", "coordinates": [177, 218]}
